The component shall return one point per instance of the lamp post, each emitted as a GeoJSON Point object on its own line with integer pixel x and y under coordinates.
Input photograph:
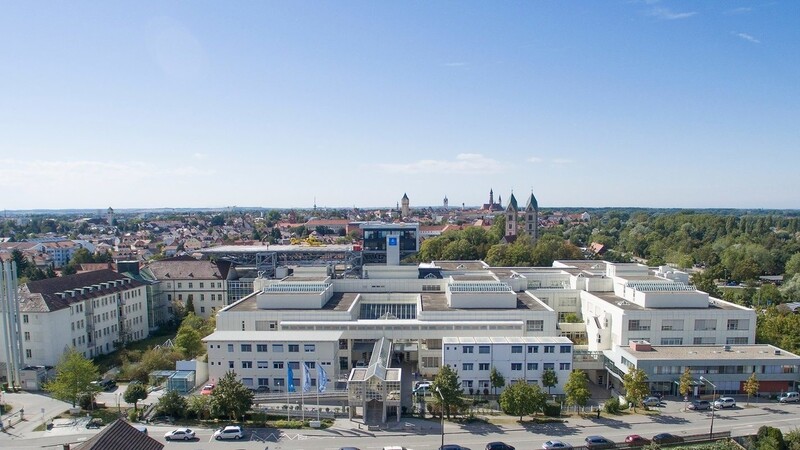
{"type": "Point", "coordinates": [119, 409]}
{"type": "Point", "coordinates": [438, 391]}
{"type": "Point", "coordinates": [713, 397]}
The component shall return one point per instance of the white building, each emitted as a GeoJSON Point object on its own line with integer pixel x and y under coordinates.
{"type": "Point", "coordinates": [515, 358]}
{"type": "Point", "coordinates": [91, 311]}
{"type": "Point", "coordinates": [183, 279]}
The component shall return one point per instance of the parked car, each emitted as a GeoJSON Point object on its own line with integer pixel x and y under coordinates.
{"type": "Point", "coordinates": [666, 438]}
{"type": "Point", "coordinates": [207, 389]}
{"type": "Point", "coordinates": [422, 387]}
{"type": "Point", "coordinates": [261, 388]}
{"type": "Point", "coordinates": [652, 401]}
{"type": "Point", "coordinates": [789, 397]}
{"type": "Point", "coordinates": [229, 432]}
{"type": "Point", "coordinates": [94, 423]}
{"type": "Point", "coordinates": [452, 447]}
{"type": "Point", "coordinates": [634, 440]}
{"type": "Point", "coordinates": [349, 448]}
{"type": "Point", "coordinates": [599, 442]}
{"type": "Point", "coordinates": [551, 445]}
{"type": "Point", "coordinates": [700, 405]}
{"type": "Point", "coordinates": [141, 428]}
{"type": "Point", "coordinates": [185, 434]}
{"type": "Point", "coordinates": [498, 446]}
{"type": "Point", "coordinates": [725, 402]}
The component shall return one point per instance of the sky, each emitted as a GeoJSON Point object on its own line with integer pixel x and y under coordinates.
{"type": "Point", "coordinates": [151, 104]}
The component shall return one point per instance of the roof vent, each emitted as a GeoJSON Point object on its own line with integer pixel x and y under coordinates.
{"type": "Point", "coordinates": [777, 351]}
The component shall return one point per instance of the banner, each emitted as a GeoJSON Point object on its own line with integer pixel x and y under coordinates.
{"type": "Point", "coordinates": [290, 380]}
{"type": "Point", "coordinates": [322, 378]}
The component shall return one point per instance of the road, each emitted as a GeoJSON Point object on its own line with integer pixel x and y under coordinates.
{"type": "Point", "coordinates": [739, 421]}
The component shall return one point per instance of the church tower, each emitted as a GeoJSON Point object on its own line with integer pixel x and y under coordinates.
{"type": "Point", "coordinates": [445, 202]}
{"type": "Point", "coordinates": [405, 211]}
{"type": "Point", "coordinates": [532, 218]}
{"type": "Point", "coordinates": [511, 217]}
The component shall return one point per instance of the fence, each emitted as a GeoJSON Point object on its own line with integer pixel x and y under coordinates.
{"type": "Point", "coordinates": [689, 439]}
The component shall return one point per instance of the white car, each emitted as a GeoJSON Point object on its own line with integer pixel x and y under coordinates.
{"type": "Point", "coordinates": [551, 445]}
{"type": "Point", "coordinates": [725, 402]}
{"type": "Point", "coordinates": [184, 434]}
{"type": "Point", "coordinates": [229, 432]}
{"type": "Point", "coordinates": [789, 397]}
{"type": "Point", "coordinates": [422, 386]}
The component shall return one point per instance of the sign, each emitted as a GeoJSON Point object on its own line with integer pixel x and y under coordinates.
{"type": "Point", "coordinates": [392, 241]}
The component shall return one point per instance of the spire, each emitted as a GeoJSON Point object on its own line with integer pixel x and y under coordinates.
{"type": "Point", "coordinates": [532, 203]}
{"type": "Point", "coordinates": [512, 203]}
{"type": "Point", "coordinates": [405, 197]}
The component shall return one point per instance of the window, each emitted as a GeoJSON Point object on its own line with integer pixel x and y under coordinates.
{"type": "Point", "coordinates": [247, 364]}
{"type": "Point", "coordinates": [247, 347]}
{"type": "Point", "coordinates": [263, 381]}
{"type": "Point", "coordinates": [294, 365]}
{"type": "Point", "coordinates": [230, 364]}
{"type": "Point", "coordinates": [277, 348]}
{"type": "Point", "coordinates": [704, 341]}
{"type": "Point", "coordinates": [516, 349]}
{"type": "Point", "coordinates": [705, 324]}
{"type": "Point", "coordinates": [534, 325]}
{"type": "Point", "coordinates": [308, 347]}
{"type": "Point", "coordinates": [483, 366]}
{"type": "Point", "coordinates": [533, 349]}
{"type": "Point", "coordinates": [202, 297]}
{"type": "Point", "coordinates": [27, 335]}
{"type": "Point", "coordinates": [738, 324]}
{"type": "Point", "coordinates": [180, 285]}
{"type": "Point", "coordinates": [294, 348]}
{"type": "Point", "coordinates": [277, 364]}
{"type": "Point", "coordinates": [549, 348]}
{"type": "Point", "coordinates": [533, 366]}
{"type": "Point", "coordinates": [230, 348]}
{"type": "Point", "coordinates": [190, 285]}
{"type": "Point", "coordinates": [311, 365]}
{"type": "Point", "coordinates": [263, 364]}
{"type": "Point", "coordinates": [672, 325]}
{"type": "Point", "coordinates": [467, 349]}
{"type": "Point", "coordinates": [563, 366]}
{"type": "Point", "coordinates": [467, 366]}
{"type": "Point", "coordinates": [549, 366]}
{"type": "Point", "coordinates": [202, 285]}
{"type": "Point", "coordinates": [28, 353]}
{"type": "Point", "coordinates": [261, 348]}
{"type": "Point", "coordinates": [278, 382]}
{"type": "Point", "coordinates": [466, 384]}
{"type": "Point", "coordinates": [24, 318]}
{"type": "Point", "coordinates": [671, 341]}
{"type": "Point", "coordinates": [484, 349]}
{"type": "Point", "coordinates": [516, 367]}
{"type": "Point", "coordinates": [566, 349]}
{"type": "Point", "coordinates": [639, 325]}
{"type": "Point", "coordinates": [736, 341]}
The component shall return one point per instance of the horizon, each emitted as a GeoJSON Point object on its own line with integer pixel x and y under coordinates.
{"type": "Point", "coordinates": [657, 103]}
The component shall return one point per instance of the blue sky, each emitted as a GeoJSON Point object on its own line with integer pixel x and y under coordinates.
{"type": "Point", "coordinates": [254, 103]}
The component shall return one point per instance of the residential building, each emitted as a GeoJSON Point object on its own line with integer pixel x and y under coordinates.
{"type": "Point", "coordinates": [186, 280]}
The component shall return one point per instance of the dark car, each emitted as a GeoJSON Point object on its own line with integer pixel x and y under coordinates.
{"type": "Point", "coordinates": [498, 446]}
{"type": "Point", "coordinates": [666, 438]}
{"type": "Point", "coordinates": [599, 442]}
{"type": "Point", "coordinates": [94, 423]}
{"type": "Point", "coordinates": [452, 447]}
{"type": "Point", "coordinates": [700, 405]}
{"type": "Point", "coordinates": [634, 440]}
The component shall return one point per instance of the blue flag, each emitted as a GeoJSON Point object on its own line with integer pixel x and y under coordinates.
{"type": "Point", "coordinates": [322, 379]}
{"type": "Point", "coordinates": [290, 381]}
{"type": "Point", "coordinates": [306, 378]}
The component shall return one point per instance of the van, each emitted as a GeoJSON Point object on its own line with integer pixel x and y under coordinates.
{"type": "Point", "coordinates": [789, 397]}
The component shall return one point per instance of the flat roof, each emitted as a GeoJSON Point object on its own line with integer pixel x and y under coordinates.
{"type": "Point", "coordinates": [276, 248]}
{"type": "Point", "coordinates": [474, 277]}
{"type": "Point", "coordinates": [507, 340]}
{"type": "Point", "coordinates": [277, 336]}
{"type": "Point", "coordinates": [711, 352]}
{"type": "Point", "coordinates": [306, 278]}
{"type": "Point", "coordinates": [627, 305]}
{"type": "Point", "coordinates": [461, 265]}
{"type": "Point", "coordinates": [340, 301]}
{"type": "Point", "coordinates": [438, 302]}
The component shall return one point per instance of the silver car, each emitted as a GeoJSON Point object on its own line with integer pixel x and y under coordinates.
{"type": "Point", "coordinates": [229, 432]}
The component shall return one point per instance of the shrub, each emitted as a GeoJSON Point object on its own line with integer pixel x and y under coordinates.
{"type": "Point", "coordinates": [132, 415]}
{"type": "Point", "coordinates": [552, 409]}
{"type": "Point", "coordinates": [612, 406]}
{"type": "Point", "coordinates": [289, 424]}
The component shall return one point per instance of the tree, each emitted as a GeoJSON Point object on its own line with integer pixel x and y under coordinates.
{"type": "Point", "coordinates": [636, 386]}
{"type": "Point", "coordinates": [522, 399]}
{"type": "Point", "coordinates": [172, 404]}
{"type": "Point", "coordinates": [447, 388]}
{"type": "Point", "coordinates": [792, 266]}
{"type": "Point", "coordinates": [189, 342]}
{"type": "Point", "coordinates": [685, 386]}
{"type": "Point", "coordinates": [577, 388]}
{"type": "Point", "coordinates": [230, 398]}
{"type": "Point", "coordinates": [549, 379]}
{"type": "Point", "coordinates": [74, 376]}
{"type": "Point", "coordinates": [496, 380]}
{"type": "Point", "coordinates": [572, 318]}
{"type": "Point", "coordinates": [134, 393]}
{"type": "Point", "coordinates": [751, 386]}
{"type": "Point", "coordinates": [200, 406]}
{"type": "Point", "coordinates": [190, 305]}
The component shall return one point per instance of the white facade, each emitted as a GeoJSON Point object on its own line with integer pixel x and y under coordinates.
{"type": "Point", "coordinates": [184, 280]}
{"type": "Point", "coordinates": [522, 358]}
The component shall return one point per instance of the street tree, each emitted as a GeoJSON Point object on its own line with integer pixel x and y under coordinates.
{"type": "Point", "coordinates": [189, 342]}
{"type": "Point", "coordinates": [549, 379]}
{"type": "Point", "coordinates": [577, 388]}
{"type": "Point", "coordinates": [134, 393]}
{"type": "Point", "coordinates": [685, 386]}
{"type": "Point", "coordinates": [751, 386]}
{"type": "Point", "coordinates": [496, 379]}
{"type": "Point", "coordinates": [522, 399]}
{"type": "Point", "coordinates": [636, 387]}
{"type": "Point", "coordinates": [230, 398]}
{"type": "Point", "coordinates": [447, 388]}
{"type": "Point", "coordinates": [172, 404]}
{"type": "Point", "coordinates": [200, 406]}
{"type": "Point", "coordinates": [74, 376]}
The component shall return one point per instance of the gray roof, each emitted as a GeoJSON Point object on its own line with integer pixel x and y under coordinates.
{"type": "Point", "coordinates": [46, 295]}
{"type": "Point", "coordinates": [120, 435]}
{"type": "Point", "coordinates": [184, 268]}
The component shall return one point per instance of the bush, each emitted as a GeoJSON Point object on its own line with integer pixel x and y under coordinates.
{"type": "Point", "coordinates": [133, 415]}
{"type": "Point", "coordinates": [552, 409]}
{"type": "Point", "coordinates": [290, 424]}
{"type": "Point", "coordinates": [612, 406]}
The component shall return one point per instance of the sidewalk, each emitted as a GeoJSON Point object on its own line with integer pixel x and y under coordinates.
{"type": "Point", "coordinates": [37, 408]}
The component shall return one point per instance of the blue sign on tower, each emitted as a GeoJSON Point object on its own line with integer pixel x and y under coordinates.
{"type": "Point", "coordinates": [392, 241]}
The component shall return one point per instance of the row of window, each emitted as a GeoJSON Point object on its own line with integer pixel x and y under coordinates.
{"type": "Point", "coordinates": [486, 349]}
{"type": "Point", "coordinates": [467, 367]}
{"type": "Point", "coordinates": [675, 370]}
{"type": "Point", "coordinates": [276, 348]}
{"type": "Point", "coordinates": [278, 365]}
{"type": "Point", "coordinates": [697, 340]}
{"type": "Point", "coordinates": [202, 285]}
{"type": "Point", "coordinates": [699, 325]}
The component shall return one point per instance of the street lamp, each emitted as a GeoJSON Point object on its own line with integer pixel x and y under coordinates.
{"type": "Point", "coordinates": [713, 397]}
{"type": "Point", "coordinates": [119, 409]}
{"type": "Point", "coordinates": [438, 391]}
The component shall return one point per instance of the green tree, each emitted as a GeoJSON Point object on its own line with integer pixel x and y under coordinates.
{"type": "Point", "coordinates": [576, 388]}
{"type": "Point", "coordinates": [190, 306]}
{"type": "Point", "coordinates": [685, 386]}
{"type": "Point", "coordinates": [230, 398]}
{"type": "Point", "coordinates": [200, 406]}
{"type": "Point", "coordinates": [636, 386]}
{"type": "Point", "coordinates": [496, 380]}
{"type": "Point", "coordinates": [571, 318]}
{"type": "Point", "coordinates": [792, 266]}
{"type": "Point", "coordinates": [189, 342]}
{"type": "Point", "coordinates": [447, 388]}
{"type": "Point", "coordinates": [522, 399]}
{"type": "Point", "coordinates": [751, 386]}
{"type": "Point", "coordinates": [74, 376]}
{"type": "Point", "coordinates": [549, 379]}
{"type": "Point", "coordinates": [172, 404]}
{"type": "Point", "coordinates": [134, 393]}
